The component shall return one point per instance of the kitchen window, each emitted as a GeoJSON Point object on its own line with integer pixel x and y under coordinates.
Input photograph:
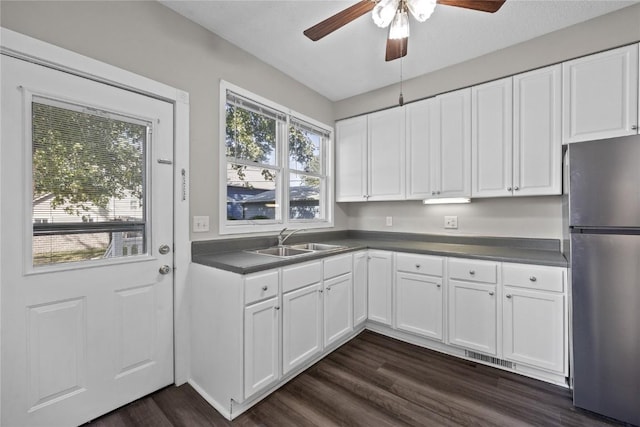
{"type": "Point", "coordinates": [275, 166]}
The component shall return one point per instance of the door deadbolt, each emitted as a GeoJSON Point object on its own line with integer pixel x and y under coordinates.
{"type": "Point", "coordinates": [164, 249]}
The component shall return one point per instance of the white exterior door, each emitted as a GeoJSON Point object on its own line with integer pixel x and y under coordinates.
{"type": "Point", "coordinates": [86, 203]}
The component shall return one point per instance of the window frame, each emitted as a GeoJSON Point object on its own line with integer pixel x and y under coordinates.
{"type": "Point", "coordinates": [282, 165]}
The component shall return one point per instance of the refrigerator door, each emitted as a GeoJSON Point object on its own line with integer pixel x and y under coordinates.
{"type": "Point", "coordinates": [605, 183]}
{"type": "Point", "coordinates": [606, 324]}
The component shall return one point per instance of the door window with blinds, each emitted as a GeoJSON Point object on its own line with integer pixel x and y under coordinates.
{"type": "Point", "coordinates": [89, 171]}
{"type": "Point", "coordinates": [277, 166]}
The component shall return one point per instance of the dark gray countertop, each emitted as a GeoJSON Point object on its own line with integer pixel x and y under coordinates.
{"type": "Point", "coordinates": [527, 251]}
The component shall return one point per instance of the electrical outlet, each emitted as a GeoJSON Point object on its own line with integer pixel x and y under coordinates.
{"type": "Point", "coordinates": [389, 221]}
{"type": "Point", "coordinates": [450, 222]}
{"type": "Point", "coordinates": [200, 224]}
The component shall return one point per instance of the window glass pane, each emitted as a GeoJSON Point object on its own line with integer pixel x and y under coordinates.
{"type": "Point", "coordinates": [250, 135]}
{"type": "Point", "coordinates": [304, 149]}
{"type": "Point", "coordinates": [251, 193]}
{"type": "Point", "coordinates": [88, 177]}
{"type": "Point", "coordinates": [304, 197]}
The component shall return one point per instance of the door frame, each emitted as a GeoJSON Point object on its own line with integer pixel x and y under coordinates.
{"type": "Point", "coordinates": [36, 51]}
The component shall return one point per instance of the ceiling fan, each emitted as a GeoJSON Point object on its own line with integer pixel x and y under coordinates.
{"type": "Point", "coordinates": [395, 15]}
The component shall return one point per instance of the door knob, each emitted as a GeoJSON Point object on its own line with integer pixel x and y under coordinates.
{"type": "Point", "coordinates": [164, 249]}
{"type": "Point", "coordinates": [165, 269]}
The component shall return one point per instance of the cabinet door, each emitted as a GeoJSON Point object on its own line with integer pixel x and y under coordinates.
{"type": "Point", "coordinates": [419, 305]}
{"type": "Point", "coordinates": [492, 138]}
{"type": "Point", "coordinates": [418, 143]}
{"type": "Point", "coordinates": [360, 279]}
{"type": "Point", "coordinates": [351, 160]}
{"type": "Point", "coordinates": [451, 145]}
{"type": "Point", "coordinates": [534, 328]}
{"type": "Point", "coordinates": [386, 175]}
{"type": "Point", "coordinates": [260, 346]}
{"type": "Point", "coordinates": [537, 140]}
{"type": "Point", "coordinates": [600, 95]}
{"type": "Point", "coordinates": [472, 316]}
{"type": "Point", "coordinates": [338, 308]}
{"type": "Point", "coordinates": [301, 326]}
{"type": "Point", "coordinates": [380, 286]}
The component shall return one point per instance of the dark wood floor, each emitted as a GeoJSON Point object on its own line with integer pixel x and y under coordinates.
{"type": "Point", "coordinates": [377, 381]}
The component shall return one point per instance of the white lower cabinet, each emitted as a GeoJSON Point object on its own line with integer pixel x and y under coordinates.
{"type": "Point", "coordinates": [360, 280]}
{"type": "Point", "coordinates": [535, 319]}
{"type": "Point", "coordinates": [419, 297]}
{"type": "Point", "coordinates": [261, 343]}
{"type": "Point", "coordinates": [380, 288]}
{"type": "Point", "coordinates": [473, 316]}
{"type": "Point", "coordinates": [419, 304]}
{"type": "Point", "coordinates": [338, 308]}
{"type": "Point", "coordinates": [301, 326]}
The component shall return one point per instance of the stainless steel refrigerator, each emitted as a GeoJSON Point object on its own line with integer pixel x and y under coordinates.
{"type": "Point", "coordinates": [604, 227]}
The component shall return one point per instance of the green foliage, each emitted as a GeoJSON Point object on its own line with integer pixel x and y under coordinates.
{"type": "Point", "coordinates": [83, 159]}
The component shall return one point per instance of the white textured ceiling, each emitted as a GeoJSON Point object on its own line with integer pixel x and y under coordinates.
{"type": "Point", "coordinates": [350, 61]}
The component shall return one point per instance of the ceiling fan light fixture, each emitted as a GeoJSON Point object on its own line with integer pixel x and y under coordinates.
{"type": "Point", "coordinates": [400, 25]}
{"type": "Point", "coordinates": [421, 9]}
{"type": "Point", "coordinates": [384, 12]}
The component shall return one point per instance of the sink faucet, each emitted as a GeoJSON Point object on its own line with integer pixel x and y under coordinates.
{"type": "Point", "coordinates": [282, 238]}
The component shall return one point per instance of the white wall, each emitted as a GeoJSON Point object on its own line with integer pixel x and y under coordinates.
{"type": "Point", "coordinates": [509, 217]}
{"type": "Point", "coordinates": [151, 40]}
{"type": "Point", "coordinates": [517, 217]}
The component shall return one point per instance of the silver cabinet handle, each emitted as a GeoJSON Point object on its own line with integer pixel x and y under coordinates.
{"type": "Point", "coordinates": [328, 289]}
{"type": "Point", "coordinates": [533, 278]}
{"type": "Point", "coordinates": [165, 269]}
{"type": "Point", "coordinates": [433, 193]}
{"type": "Point", "coordinates": [516, 188]}
{"type": "Point", "coordinates": [438, 285]}
{"type": "Point", "coordinates": [276, 308]}
{"type": "Point", "coordinates": [264, 288]}
{"type": "Point", "coordinates": [418, 266]}
{"type": "Point", "coordinates": [634, 127]}
{"type": "Point", "coordinates": [491, 293]}
{"type": "Point", "coordinates": [320, 290]}
{"type": "Point", "coordinates": [472, 272]}
{"type": "Point", "coordinates": [437, 192]}
{"type": "Point", "coordinates": [508, 188]}
{"type": "Point", "coordinates": [509, 296]}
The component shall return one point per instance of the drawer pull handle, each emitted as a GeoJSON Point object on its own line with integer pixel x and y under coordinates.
{"type": "Point", "coordinates": [438, 285]}
{"type": "Point", "coordinates": [418, 266]}
{"type": "Point", "coordinates": [491, 293]}
{"type": "Point", "coordinates": [509, 296]}
{"type": "Point", "coordinates": [276, 308]}
{"type": "Point", "coordinates": [264, 288]}
{"type": "Point", "coordinates": [472, 272]}
{"type": "Point", "coordinates": [533, 278]}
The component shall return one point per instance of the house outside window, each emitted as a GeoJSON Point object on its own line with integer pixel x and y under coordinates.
{"type": "Point", "coordinates": [276, 165]}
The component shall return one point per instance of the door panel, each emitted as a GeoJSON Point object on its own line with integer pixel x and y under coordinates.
{"type": "Point", "coordinates": [85, 330]}
{"type": "Point", "coordinates": [301, 326]}
{"type": "Point", "coordinates": [338, 308]}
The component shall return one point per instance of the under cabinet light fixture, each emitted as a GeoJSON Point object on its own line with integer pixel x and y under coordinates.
{"type": "Point", "coordinates": [444, 201]}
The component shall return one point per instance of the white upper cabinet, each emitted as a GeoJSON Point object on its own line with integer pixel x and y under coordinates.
{"type": "Point", "coordinates": [451, 145]}
{"type": "Point", "coordinates": [418, 115]}
{"type": "Point", "coordinates": [370, 157]}
{"type": "Point", "coordinates": [386, 154]}
{"type": "Point", "coordinates": [492, 138]}
{"type": "Point", "coordinates": [600, 95]}
{"type": "Point", "coordinates": [537, 130]}
{"type": "Point", "coordinates": [351, 160]}
{"type": "Point", "coordinates": [516, 137]}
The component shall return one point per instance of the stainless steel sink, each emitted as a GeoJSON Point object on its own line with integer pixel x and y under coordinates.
{"type": "Point", "coordinates": [296, 250]}
{"type": "Point", "coordinates": [283, 251]}
{"type": "Point", "coordinates": [317, 247]}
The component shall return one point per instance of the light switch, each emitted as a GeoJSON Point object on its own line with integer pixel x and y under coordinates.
{"type": "Point", "coordinates": [200, 224]}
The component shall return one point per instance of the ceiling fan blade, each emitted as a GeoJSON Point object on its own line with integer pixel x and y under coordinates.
{"type": "Point", "coordinates": [338, 20]}
{"type": "Point", "coordinates": [396, 48]}
{"type": "Point", "coordinates": [490, 6]}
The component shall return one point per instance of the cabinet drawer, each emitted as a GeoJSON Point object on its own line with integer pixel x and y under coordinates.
{"type": "Point", "coordinates": [419, 264]}
{"type": "Point", "coordinates": [260, 286]}
{"type": "Point", "coordinates": [300, 275]}
{"type": "Point", "coordinates": [476, 271]}
{"type": "Point", "coordinates": [533, 277]}
{"type": "Point", "coordinates": [337, 265]}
